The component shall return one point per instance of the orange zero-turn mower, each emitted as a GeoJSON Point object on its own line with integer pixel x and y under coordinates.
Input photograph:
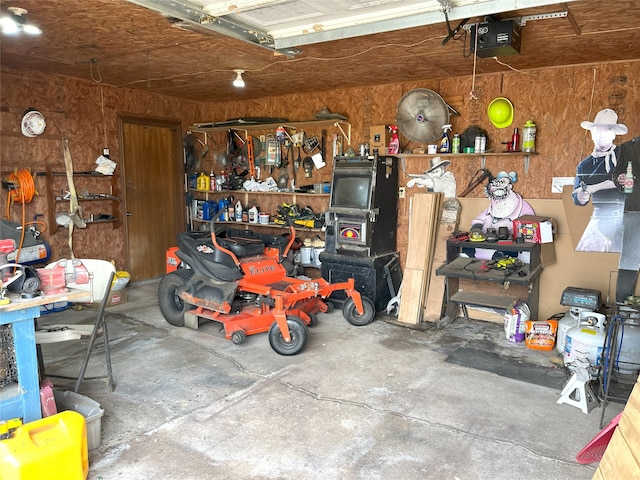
{"type": "Point", "coordinates": [242, 282]}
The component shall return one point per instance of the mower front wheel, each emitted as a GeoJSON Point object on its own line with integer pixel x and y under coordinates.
{"type": "Point", "coordinates": [238, 337]}
{"type": "Point", "coordinates": [330, 306]}
{"type": "Point", "coordinates": [171, 305]}
{"type": "Point", "coordinates": [352, 316]}
{"type": "Point", "coordinates": [297, 331]}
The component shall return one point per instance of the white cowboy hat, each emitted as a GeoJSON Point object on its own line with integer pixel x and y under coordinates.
{"type": "Point", "coordinates": [606, 118]}
{"type": "Point", "coordinates": [438, 162]}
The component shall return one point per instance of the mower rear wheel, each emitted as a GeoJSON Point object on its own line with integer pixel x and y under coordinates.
{"type": "Point", "coordinates": [350, 312]}
{"type": "Point", "coordinates": [297, 331]}
{"type": "Point", "coordinates": [171, 305]}
{"type": "Point", "coordinates": [313, 319]}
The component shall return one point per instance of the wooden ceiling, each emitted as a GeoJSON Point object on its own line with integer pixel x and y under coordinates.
{"type": "Point", "coordinates": [122, 44]}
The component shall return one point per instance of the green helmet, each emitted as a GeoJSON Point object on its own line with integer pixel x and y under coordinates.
{"type": "Point", "coordinates": [500, 112]}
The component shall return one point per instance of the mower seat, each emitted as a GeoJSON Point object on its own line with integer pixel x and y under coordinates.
{"type": "Point", "coordinates": [242, 247]}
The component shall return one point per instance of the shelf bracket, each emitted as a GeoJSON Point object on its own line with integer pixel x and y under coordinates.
{"type": "Point", "coordinates": [347, 136]}
{"type": "Point", "coordinates": [483, 161]}
{"type": "Point", "coordinates": [526, 164]}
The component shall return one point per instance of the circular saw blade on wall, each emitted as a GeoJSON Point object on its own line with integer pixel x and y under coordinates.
{"type": "Point", "coordinates": [421, 115]}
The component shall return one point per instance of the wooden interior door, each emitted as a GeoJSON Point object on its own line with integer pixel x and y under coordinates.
{"type": "Point", "coordinates": [154, 181]}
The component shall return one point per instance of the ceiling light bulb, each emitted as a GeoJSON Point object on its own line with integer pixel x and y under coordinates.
{"type": "Point", "coordinates": [31, 29]}
{"type": "Point", "coordinates": [15, 22]}
{"type": "Point", "coordinates": [238, 82]}
{"type": "Point", "coordinates": [9, 26]}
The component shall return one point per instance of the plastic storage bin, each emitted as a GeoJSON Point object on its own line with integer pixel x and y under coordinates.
{"type": "Point", "coordinates": [88, 408]}
{"type": "Point", "coordinates": [52, 447]}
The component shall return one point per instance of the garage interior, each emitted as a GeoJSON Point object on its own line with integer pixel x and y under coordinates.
{"type": "Point", "coordinates": [151, 82]}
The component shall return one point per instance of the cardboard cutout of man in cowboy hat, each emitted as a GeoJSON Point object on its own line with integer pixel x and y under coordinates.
{"type": "Point", "coordinates": [594, 182]}
{"type": "Point", "coordinates": [629, 263]}
{"type": "Point", "coordinates": [436, 179]}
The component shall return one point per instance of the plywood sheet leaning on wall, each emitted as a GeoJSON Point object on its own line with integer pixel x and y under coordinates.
{"type": "Point", "coordinates": [434, 299]}
{"type": "Point", "coordinates": [621, 459]}
{"type": "Point", "coordinates": [425, 211]}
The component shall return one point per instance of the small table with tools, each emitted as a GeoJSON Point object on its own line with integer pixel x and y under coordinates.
{"type": "Point", "coordinates": [19, 383]}
{"type": "Point", "coordinates": [498, 272]}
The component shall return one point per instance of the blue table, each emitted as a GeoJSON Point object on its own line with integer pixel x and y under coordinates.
{"type": "Point", "coordinates": [22, 399]}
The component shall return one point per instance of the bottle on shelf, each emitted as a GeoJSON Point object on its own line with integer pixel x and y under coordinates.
{"type": "Point", "coordinates": [529, 137]}
{"type": "Point", "coordinates": [203, 182]}
{"type": "Point", "coordinates": [515, 141]}
{"type": "Point", "coordinates": [455, 144]}
{"type": "Point", "coordinates": [212, 181]}
{"type": "Point", "coordinates": [445, 143]}
{"type": "Point", "coordinates": [193, 180]}
{"type": "Point", "coordinates": [253, 214]}
{"type": "Point", "coordinates": [394, 143]}
{"type": "Point", "coordinates": [238, 211]}
{"type": "Point", "coordinates": [628, 180]}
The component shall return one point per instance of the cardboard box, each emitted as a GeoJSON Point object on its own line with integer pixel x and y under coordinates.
{"type": "Point", "coordinates": [379, 139]}
{"type": "Point", "coordinates": [533, 228]}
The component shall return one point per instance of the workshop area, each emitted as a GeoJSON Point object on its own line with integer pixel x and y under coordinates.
{"type": "Point", "coordinates": [338, 239]}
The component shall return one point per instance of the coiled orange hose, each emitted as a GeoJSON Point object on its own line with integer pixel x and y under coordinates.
{"type": "Point", "coordinates": [23, 192]}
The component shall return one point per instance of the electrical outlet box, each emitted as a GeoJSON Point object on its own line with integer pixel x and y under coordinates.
{"type": "Point", "coordinates": [401, 192]}
{"type": "Point", "coordinates": [558, 182]}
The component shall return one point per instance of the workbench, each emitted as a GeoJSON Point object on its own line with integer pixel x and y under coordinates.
{"type": "Point", "coordinates": [20, 396]}
{"type": "Point", "coordinates": [460, 267]}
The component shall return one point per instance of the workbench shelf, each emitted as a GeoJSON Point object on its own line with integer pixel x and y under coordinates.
{"type": "Point", "coordinates": [460, 267]}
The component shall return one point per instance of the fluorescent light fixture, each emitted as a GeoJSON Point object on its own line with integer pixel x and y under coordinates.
{"type": "Point", "coordinates": [238, 82]}
{"type": "Point", "coordinates": [14, 22]}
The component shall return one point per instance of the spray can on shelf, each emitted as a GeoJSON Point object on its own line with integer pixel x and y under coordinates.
{"type": "Point", "coordinates": [529, 137]}
{"type": "Point", "coordinates": [455, 144]}
{"type": "Point", "coordinates": [212, 181]}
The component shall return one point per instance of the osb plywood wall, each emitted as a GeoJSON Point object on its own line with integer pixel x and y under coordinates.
{"type": "Point", "coordinates": [556, 99]}
{"type": "Point", "coordinates": [86, 114]}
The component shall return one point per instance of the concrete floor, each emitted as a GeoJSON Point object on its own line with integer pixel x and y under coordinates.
{"type": "Point", "coordinates": [373, 402]}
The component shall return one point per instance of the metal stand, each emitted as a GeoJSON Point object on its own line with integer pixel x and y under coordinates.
{"type": "Point", "coordinates": [611, 354]}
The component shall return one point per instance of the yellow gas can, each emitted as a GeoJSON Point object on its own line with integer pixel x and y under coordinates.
{"type": "Point", "coordinates": [54, 447]}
